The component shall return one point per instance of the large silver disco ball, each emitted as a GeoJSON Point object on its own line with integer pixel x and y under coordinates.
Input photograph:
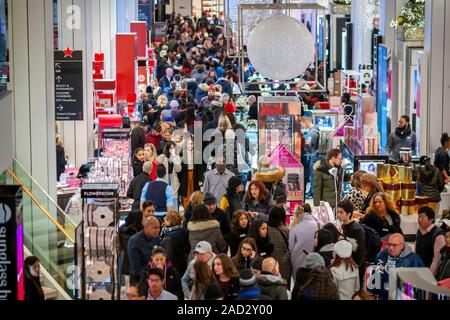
{"type": "Point", "coordinates": [281, 48]}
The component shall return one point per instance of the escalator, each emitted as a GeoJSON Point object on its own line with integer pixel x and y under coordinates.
{"type": "Point", "coordinates": [49, 234]}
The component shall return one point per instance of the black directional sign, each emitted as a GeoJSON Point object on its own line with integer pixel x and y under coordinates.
{"type": "Point", "coordinates": [69, 85]}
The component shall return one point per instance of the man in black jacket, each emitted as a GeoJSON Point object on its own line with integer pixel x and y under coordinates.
{"type": "Point", "coordinates": [210, 201]}
{"type": "Point", "coordinates": [353, 230]}
{"type": "Point", "coordinates": [138, 136]}
{"type": "Point", "coordinates": [141, 245]}
{"type": "Point", "coordinates": [137, 184]}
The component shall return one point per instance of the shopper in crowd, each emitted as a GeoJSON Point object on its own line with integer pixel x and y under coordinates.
{"type": "Point", "coordinates": [324, 245]}
{"type": "Point", "coordinates": [429, 239]}
{"type": "Point", "coordinates": [328, 174]}
{"type": "Point", "coordinates": [270, 280]}
{"type": "Point", "coordinates": [240, 226]}
{"type": "Point", "coordinates": [253, 108]}
{"type": "Point", "coordinates": [312, 151]}
{"type": "Point", "coordinates": [302, 275]}
{"type": "Point", "coordinates": [202, 276]}
{"type": "Point", "coordinates": [258, 200]}
{"type": "Point", "coordinates": [150, 156]}
{"type": "Point", "coordinates": [32, 281]}
{"type": "Point", "coordinates": [301, 240]}
{"type": "Point", "coordinates": [155, 279]}
{"type": "Point", "coordinates": [213, 124]}
{"type": "Point", "coordinates": [191, 175]}
{"type": "Point", "coordinates": [210, 202]}
{"type": "Point", "coordinates": [227, 276]}
{"type": "Point", "coordinates": [61, 158]}
{"type": "Point", "coordinates": [233, 200]}
{"type": "Point", "coordinates": [259, 230]}
{"type": "Point", "coordinates": [320, 286]}
{"type": "Point", "coordinates": [442, 157]}
{"type": "Point", "coordinates": [299, 213]}
{"type": "Point", "coordinates": [431, 181]}
{"type": "Point", "coordinates": [160, 193]}
{"type": "Point", "coordinates": [172, 280]}
{"type": "Point", "coordinates": [175, 240]}
{"type": "Point", "coordinates": [140, 247]}
{"type": "Point", "coordinates": [167, 136]}
{"type": "Point", "coordinates": [165, 81]}
{"type": "Point", "coordinates": [345, 270]}
{"type": "Point", "coordinates": [402, 137]}
{"type": "Point", "coordinates": [397, 255]}
{"type": "Point", "coordinates": [353, 230]}
{"type": "Point", "coordinates": [138, 135]}
{"type": "Point", "coordinates": [132, 225]}
{"type": "Point", "coordinates": [154, 136]}
{"type": "Point", "coordinates": [370, 185]}
{"type": "Point", "coordinates": [279, 237]}
{"type": "Point", "coordinates": [249, 288]}
{"type": "Point", "coordinates": [356, 194]}
{"type": "Point", "coordinates": [195, 200]}
{"type": "Point", "coordinates": [335, 233]}
{"type": "Point", "coordinates": [137, 292]}
{"type": "Point", "coordinates": [216, 181]}
{"type": "Point", "coordinates": [172, 163]}
{"type": "Point", "coordinates": [137, 184]}
{"type": "Point", "coordinates": [247, 252]}
{"type": "Point", "coordinates": [204, 227]}
{"type": "Point", "coordinates": [383, 216]}
{"type": "Point", "coordinates": [444, 266]}
{"type": "Point", "coordinates": [138, 161]}
{"type": "Point", "coordinates": [202, 252]}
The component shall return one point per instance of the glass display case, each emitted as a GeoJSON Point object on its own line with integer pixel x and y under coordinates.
{"type": "Point", "coordinates": [97, 242]}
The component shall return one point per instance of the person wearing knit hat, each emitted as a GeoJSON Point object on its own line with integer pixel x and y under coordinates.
{"type": "Point", "coordinates": [249, 289]}
{"type": "Point", "coordinates": [313, 260]}
{"type": "Point", "coordinates": [229, 108]}
{"type": "Point", "coordinates": [345, 270]}
{"type": "Point", "coordinates": [214, 292]}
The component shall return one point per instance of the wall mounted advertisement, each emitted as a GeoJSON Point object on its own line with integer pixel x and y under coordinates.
{"type": "Point", "coordinates": [384, 92]}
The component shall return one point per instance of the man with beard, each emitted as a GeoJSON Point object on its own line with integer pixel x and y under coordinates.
{"type": "Point", "coordinates": [403, 137]}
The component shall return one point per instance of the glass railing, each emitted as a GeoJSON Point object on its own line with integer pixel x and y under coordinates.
{"type": "Point", "coordinates": [49, 233]}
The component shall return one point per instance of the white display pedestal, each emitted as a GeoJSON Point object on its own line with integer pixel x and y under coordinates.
{"type": "Point", "coordinates": [409, 226]}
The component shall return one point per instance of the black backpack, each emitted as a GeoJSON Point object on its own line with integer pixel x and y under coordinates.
{"type": "Point", "coordinates": [373, 243]}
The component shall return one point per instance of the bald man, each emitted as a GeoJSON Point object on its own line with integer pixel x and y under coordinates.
{"type": "Point", "coordinates": [398, 254]}
{"type": "Point", "coordinates": [140, 247]}
{"type": "Point", "coordinates": [270, 281]}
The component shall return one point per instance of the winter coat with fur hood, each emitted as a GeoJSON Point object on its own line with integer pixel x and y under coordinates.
{"type": "Point", "coordinates": [346, 280]}
{"type": "Point", "coordinates": [206, 230]}
{"type": "Point", "coordinates": [324, 185]}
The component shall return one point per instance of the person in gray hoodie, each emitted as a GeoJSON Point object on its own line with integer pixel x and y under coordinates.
{"type": "Point", "coordinates": [270, 280]}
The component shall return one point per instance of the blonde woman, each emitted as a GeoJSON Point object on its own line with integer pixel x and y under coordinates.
{"type": "Point", "coordinates": [299, 213]}
{"type": "Point", "coordinates": [356, 195]}
{"type": "Point", "coordinates": [382, 215]}
{"type": "Point", "coordinates": [61, 158]}
{"type": "Point", "coordinates": [150, 156]}
{"type": "Point", "coordinates": [195, 200]}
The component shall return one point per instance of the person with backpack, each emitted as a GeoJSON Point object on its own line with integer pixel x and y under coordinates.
{"type": "Point", "coordinates": [312, 151]}
{"type": "Point", "coordinates": [353, 230]}
{"type": "Point", "coordinates": [431, 182]}
{"type": "Point", "coordinates": [429, 239]}
{"type": "Point", "coordinates": [233, 200]}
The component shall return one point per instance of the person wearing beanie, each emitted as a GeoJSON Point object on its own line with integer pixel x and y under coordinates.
{"type": "Point", "coordinates": [206, 102]}
{"type": "Point", "coordinates": [233, 200]}
{"type": "Point", "coordinates": [345, 270]}
{"type": "Point", "coordinates": [249, 288]}
{"type": "Point", "coordinates": [313, 260]}
{"type": "Point", "coordinates": [137, 184]}
{"type": "Point", "coordinates": [213, 292]}
{"type": "Point", "coordinates": [210, 202]}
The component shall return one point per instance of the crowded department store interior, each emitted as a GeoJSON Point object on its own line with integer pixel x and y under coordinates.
{"type": "Point", "coordinates": [224, 150]}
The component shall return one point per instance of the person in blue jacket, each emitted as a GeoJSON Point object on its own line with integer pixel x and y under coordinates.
{"type": "Point", "coordinates": [397, 255]}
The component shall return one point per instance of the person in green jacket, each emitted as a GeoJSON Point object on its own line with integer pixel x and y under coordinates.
{"type": "Point", "coordinates": [324, 181]}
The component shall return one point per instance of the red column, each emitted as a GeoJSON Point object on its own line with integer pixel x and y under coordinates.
{"type": "Point", "coordinates": [140, 28]}
{"type": "Point", "coordinates": [126, 66]}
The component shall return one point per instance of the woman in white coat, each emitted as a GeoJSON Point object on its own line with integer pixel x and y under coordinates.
{"type": "Point", "coordinates": [345, 270]}
{"type": "Point", "coordinates": [172, 162]}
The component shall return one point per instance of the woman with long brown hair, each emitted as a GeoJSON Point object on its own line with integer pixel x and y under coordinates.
{"type": "Point", "coordinates": [320, 286]}
{"type": "Point", "coordinates": [370, 185]}
{"type": "Point", "coordinates": [246, 253]}
{"type": "Point", "coordinates": [345, 270]}
{"type": "Point", "coordinates": [203, 276]}
{"type": "Point", "coordinates": [195, 200]}
{"type": "Point", "coordinates": [239, 229]}
{"type": "Point", "coordinates": [258, 200]}
{"type": "Point", "coordinates": [227, 276]}
{"type": "Point", "coordinates": [382, 215]}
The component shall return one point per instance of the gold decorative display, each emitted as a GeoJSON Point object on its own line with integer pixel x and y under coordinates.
{"type": "Point", "coordinates": [408, 207]}
{"type": "Point", "coordinates": [411, 33]}
{"type": "Point", "coordinates": [408, 191]}
{"type": "Point", "coordinates": [421, 202]}
{"type": "Point", "coordinates": [394, 190]}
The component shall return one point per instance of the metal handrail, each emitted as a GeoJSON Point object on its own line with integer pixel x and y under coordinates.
{"type": "Point", "coordinates": [45, 193]}
{"type": "Point", "coordinates": [40, 206]}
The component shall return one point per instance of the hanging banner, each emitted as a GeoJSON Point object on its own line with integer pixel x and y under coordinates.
{"type": "Point", "coordinates": [69, 85]}
{"type": "Point", "coordinates": [145, 12]}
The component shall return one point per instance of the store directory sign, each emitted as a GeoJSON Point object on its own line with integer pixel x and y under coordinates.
{"type": "Point", "coordinates": [69, 85]}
